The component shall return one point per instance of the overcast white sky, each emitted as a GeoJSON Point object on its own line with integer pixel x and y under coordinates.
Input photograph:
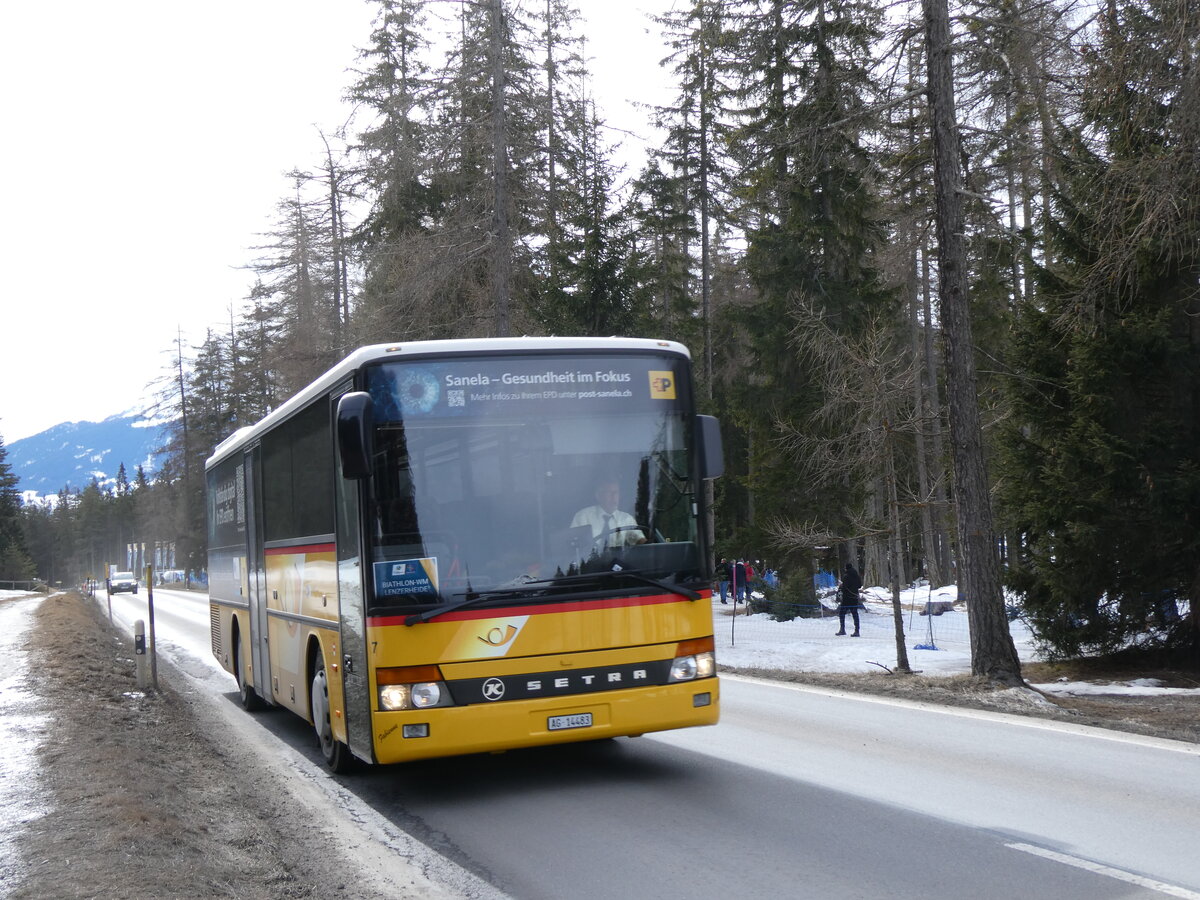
{"type": "Point", "coordinates": [144, 147]}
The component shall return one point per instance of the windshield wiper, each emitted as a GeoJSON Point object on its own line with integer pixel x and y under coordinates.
{"type": "Point", "coordinates": [469, 599]}
{"type": "Point", "coordinates": [632, 574]}
{"type": "Point", "coordinates": [654, 582]}
{"type": "Point", "coordinates": [474, 597]}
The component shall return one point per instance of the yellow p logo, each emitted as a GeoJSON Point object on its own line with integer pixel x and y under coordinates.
{"type": "Point", "coordinates": [662, 385]}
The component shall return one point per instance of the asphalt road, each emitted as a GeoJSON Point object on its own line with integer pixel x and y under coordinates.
{"type": "Point", "coordinates": [796, 793]}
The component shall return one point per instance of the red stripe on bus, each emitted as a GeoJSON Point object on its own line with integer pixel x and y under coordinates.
{"type": "Point", "coordinates": [467, 615]}
{"type": "Point", "coordinates": [303, 548]}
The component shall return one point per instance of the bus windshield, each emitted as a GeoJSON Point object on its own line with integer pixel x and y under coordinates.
{"type": "Point", "coordinates": [553, 476]}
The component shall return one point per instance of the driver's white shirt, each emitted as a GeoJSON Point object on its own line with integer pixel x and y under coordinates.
{"type": "Point", "coordinates": [600, 521]}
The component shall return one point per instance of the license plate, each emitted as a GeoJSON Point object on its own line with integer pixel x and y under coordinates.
{"type": "Point", "coordinates": [561, 723]}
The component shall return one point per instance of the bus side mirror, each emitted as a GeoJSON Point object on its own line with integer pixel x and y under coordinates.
{"type": "Point", "coordinates": [712, 452]}
{"type": "Point", "coordinates": [355, 426]}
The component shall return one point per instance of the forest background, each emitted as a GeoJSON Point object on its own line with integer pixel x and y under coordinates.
{"type": "Point", "coordinates": [815, 227]}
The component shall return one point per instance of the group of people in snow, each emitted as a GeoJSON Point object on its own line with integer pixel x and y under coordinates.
{"type": "Point", "coordinates": [740, 576]}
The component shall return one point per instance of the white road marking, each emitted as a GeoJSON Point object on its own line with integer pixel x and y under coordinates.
{"type": "Point", "coordinates": [1161, 887]}
{"type": "Point", "coordinates": [964, 712]}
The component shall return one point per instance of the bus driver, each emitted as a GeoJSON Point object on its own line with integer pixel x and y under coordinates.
{"type": "Point", "coordinates": [611, 527]}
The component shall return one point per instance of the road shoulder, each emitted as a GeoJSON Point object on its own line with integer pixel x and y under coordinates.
{"type": "Point", "coordinates": [143, 798]}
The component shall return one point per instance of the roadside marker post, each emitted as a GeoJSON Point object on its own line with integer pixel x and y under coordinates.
{"type": "Point", "coordinates": [139, 653]}
{"type": "Point", "coordinates": [150, 605]}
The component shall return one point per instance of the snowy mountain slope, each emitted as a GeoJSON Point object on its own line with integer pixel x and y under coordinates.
{"type": "Point", "coordinates": [73, 453]}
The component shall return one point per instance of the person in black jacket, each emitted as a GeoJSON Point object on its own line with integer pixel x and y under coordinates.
{"type": "Point", "coordinates": [723, 578]}
{"type": "Point", "coordinates": [848, 594]}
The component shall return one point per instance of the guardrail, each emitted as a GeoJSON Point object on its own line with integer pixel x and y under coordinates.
{"type": "Point", "coordinates": [21, 585]}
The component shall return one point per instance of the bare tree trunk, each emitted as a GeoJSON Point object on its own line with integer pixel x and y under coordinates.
{"type": "Point", "coordinates": [933, 570]}
{"type": "Point", "coordinates": [1194, 340]}
{"type": "Point", "coordinates": [993, 653]}
{"type": "Point", "coordinates": [181, 384]}
{"type": "Point", "coordinates": [337, 240]}
{"type": "Point", "coordinates": [501, 240]}
{"type": "Point", "coordinates": [706, 315]}
{"type": "Point", "coordinates": [551, 149]}
{"type": "Point", "coordinates": [893, 500]}
{"type": "Point", "coordinates": [874, 569]}
{"type": "Point", "coordinates": [751, 472]}
{"type": "Point", "coordinates": [933, 398]}
{"type": "Point", "coordinates": [705, 255]}
{"type": "Point", "coordinates": [1015, 257]}
{"type": "Point", "coordinates": [706, 53]}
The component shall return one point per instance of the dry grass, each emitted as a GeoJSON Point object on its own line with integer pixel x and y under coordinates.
{"type": "Point", "coordinates": [140, 804]}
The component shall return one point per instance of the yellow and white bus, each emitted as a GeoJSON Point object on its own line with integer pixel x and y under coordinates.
{"type": "Point", "coordinates": [452, 547]}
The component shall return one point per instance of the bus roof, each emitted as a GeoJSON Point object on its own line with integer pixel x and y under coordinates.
{"type": "Point", "coordinates": [376, 352]}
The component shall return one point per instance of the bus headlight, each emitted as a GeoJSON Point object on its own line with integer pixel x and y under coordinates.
{"type": "Point", "coordinates": [426, 694]}
{"type": "Point", "coordinates": [394, 696]}
{"type": "Point", "coordinates": [689, 668]}
{"type": "Point", "coordinates": [412, 687]}
{"type": "Point", "coordinates": [422, 695]}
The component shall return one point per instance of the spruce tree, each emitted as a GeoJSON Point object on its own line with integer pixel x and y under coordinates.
{"type": "Point", "coordinates": [393, 87]}
{"type": "Point", "coordinates": [810, 210]}
{"type": "Point", "coordinates": [696, 125]}
{"type": "Point", "coordinates": [1104, 451]}
{"type": "Point", "coordinates": [15, 563]}
{"type": "Point", "coordinates": [659, 261]}
{"type": "Point", "coordinates": [591, 290]}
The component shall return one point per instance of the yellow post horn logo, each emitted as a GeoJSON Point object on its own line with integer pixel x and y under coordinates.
{"type": "Point", "coordinates": [498, 636]}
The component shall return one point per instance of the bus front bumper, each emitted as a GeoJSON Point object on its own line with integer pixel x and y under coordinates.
{"type": "Point", "coordinates": [509, 725]}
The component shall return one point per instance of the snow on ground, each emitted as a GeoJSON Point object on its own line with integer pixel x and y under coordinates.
{"type": "Point", "coordinates": [22, 726]}
{"type": "Point", "coordinates": [811, 645]}
{"type": "Point", "coordinates": [936, 644]}
{"type": "Point", "coordinates": [1139, 687]}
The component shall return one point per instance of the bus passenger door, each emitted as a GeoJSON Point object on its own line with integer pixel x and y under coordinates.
{"type": "Point", "coordinates": [260, 655]}
{"type": "Point", "coordinates": [356, 684]}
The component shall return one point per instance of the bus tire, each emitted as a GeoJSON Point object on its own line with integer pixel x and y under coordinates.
{"type": "Point", "coordinates": [337, 755]}
{"type": "Point", "coordinates": [247, 696]}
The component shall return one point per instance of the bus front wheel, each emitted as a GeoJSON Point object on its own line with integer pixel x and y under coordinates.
{"type": "Point", "coordinates": [337, 755]}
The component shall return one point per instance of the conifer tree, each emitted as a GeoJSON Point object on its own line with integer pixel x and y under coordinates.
{"type": "Point", "coordinates": [40, 538]}
{"type": "Point", "coordinates": [298, 275]}
{"type": "Point", "coordinates": [254, 377]}
{"type": "Point", "coordinates": [696, 125]}
{"type": "Point", "coordinates": [15, 563]}
{"type": "Point", "coordinates": [394, 88]}
{"type": "Point", "coordinates": [1104, 455]}
{"type": "Point", "coordinates": [564, 124]}
{"type": "Point", "coordinates": [663, 229]}
{"type": "Point", "coordinates": [123, 509]}
{"type": "Point", "coordinates": [592, 290]}
{"type": "Point", "coordinates": [811, 214]}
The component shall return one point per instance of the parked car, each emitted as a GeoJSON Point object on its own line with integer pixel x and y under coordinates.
{"type": "Point", "coordinates": [123, 581]}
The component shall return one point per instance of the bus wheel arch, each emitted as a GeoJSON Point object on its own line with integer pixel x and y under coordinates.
{"type": "Point", "coordinates": [337, 755]}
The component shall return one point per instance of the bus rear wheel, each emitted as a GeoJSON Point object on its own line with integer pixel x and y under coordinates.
{"type": "Point", "coordinates": [250, 700]}
{"type": "Point", "coordinates": [337, 755]}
